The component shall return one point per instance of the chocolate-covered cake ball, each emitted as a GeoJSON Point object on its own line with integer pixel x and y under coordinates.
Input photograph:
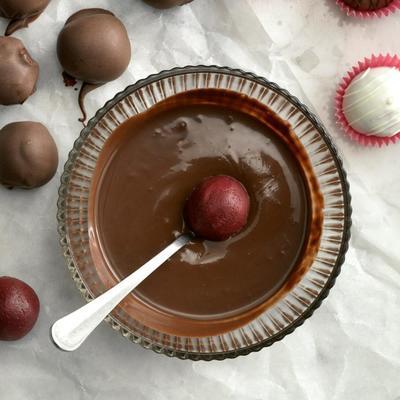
{"type": "Point", "coordinates": [18, 72]}
{"type": "Point", "coordinates": [94, 47]}
{"type": "Point", "coordinates": [21, 12]}
{"type": "Point", "coordinates": [368, 5]}
{"type": "Point", "coordinates": [218, 208]}
{"type": "Point", "coordinates": [163, 4]}
{"type": "Point", "coordinates": [28, 155]}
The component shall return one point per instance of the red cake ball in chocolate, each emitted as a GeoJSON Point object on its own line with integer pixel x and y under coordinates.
{"type": "Point", "coordinates": [218, 208]}
{"type": "Point", "coordinates": [19, 308]}
{"type": "Point", "coordinates": [367, 5]}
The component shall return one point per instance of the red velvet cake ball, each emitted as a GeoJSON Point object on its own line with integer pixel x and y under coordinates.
{"type": "Point", "coordinates": [19, 308]}
{"type": "Point", "coordinates": [218, 208]}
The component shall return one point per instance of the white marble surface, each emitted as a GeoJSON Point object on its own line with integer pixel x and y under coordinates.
{"type": "Point", "coordinates": [350, 348]}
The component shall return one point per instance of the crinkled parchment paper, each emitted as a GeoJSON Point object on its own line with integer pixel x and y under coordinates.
{"type": "Point", "coordinates": [350, 348]}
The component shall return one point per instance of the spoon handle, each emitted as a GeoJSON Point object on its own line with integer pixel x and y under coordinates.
{"type": "Point", "coordinates": [69, 332]}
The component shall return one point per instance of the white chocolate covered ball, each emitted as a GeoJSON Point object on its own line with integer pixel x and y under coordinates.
{"type": "Point", "coordinates": [371, 103]}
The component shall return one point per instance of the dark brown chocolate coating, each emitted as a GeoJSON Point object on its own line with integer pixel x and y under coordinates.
{"type": "Point", "coordinates": [163, 4]}
{"type": "Point", "coordinates": [368, 5]}
{"type": "Point", "coordinates": [21, 12]}
{"type": "Point", "coordinates": [94, 46]}
{"type": "Point", "coordinates": [18, 72]}
{"type": "Point", "coordinates": [145, 173]}
{"type": "Point", "coordinates": [28, 155]}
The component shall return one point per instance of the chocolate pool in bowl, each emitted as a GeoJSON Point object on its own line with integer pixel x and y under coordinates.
{"type": "Point", "coordinates": [146, 171]}
{"type": "Point", "coordinates": [125, 185]}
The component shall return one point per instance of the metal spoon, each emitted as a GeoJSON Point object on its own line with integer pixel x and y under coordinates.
{"type": "Point", "coordinates": [69, 332]}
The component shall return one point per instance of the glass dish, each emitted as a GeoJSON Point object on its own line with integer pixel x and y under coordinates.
{"type": "Point", "coordinates": [287, 313]}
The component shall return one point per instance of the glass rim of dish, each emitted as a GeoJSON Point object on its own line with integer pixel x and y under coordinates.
{"type": "Point", "coordinates": [290, 311]}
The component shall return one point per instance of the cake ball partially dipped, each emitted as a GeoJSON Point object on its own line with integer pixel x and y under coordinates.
{"type": "Point", "coordinates": [18, 72]}
{"type": "Point", "coordinates": [93, 47]}
{"type": "Point", "coordinates": [218, 208]}
{"type": "Point", "coordinates": [21, 12]}
{"type": "Point", "coordinates": [28, 155]}
{"type": "Point", "coordinates": [163, 4]}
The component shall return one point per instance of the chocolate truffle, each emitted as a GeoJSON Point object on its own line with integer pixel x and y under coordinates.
{"type": "Point", "coordinates": [19, 308]}
{"type": "Point", "coordinates": [94, 47]}
{"type": "Point", "coordinates": [163, 4]}
{"type": "Point", "coordinates": [367, 5]}
{"type": "Point", "coordinates": [218, 208]}
{"type": "Point", "coordinates": [28, 155]}
{"type": "Point", "coordinates": [21, 12]}
{"type": "Point", "coordinates": [18, 72]}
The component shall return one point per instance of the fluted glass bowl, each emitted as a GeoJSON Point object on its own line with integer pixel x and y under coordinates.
{"type": "Point", "coordinates": [287, 313]}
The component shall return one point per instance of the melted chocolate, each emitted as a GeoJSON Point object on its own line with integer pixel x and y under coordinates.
{"type": "Point", "coordinates": [147, 170]}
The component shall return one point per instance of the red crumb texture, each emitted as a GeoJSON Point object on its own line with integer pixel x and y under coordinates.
{"type": "Point", "coordinates": [218, 208]}
{"type": "Point", "coordinates": [19, 308]}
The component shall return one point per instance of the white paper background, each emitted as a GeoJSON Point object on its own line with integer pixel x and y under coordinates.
{"type": "Point", "coordinates": [350, 348]}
